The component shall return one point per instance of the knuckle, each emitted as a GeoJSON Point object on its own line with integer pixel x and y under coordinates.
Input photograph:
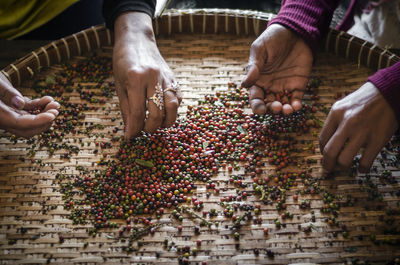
{"type": "Point", "coordinates": [179, 97]}
{"type": "Point", "coordinates": [327, 153]}
{"type": "Point", "coordinates": [133, 74]}
{"type": "Point", "coordinates": [153, 70]}
{"type": "Point", "coordinates": [336, 113]}
{"type": "Point", "coordinates": [172, 105]}
{"type": "Point", "coordinates": [155, 118]}
{"type": "Point", "coordinates": [136, 73]}
{"type": "Point", "coordinates": [350, 123]}
{"type": "Point", "coordinates": [344, 162]}
{"type": "Point", "coordinates": [48, 99]}
{"type": "Point", "coordinates": [256, 45]}
{"type": "Point", "coordinates": [335, 107]}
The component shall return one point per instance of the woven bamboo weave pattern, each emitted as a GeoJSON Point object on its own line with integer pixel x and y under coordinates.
{"type": "Point", "coordinates": [33, 216]}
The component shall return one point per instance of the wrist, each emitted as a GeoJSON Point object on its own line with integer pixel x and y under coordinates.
{"type": "Point", "coordinates": [130, 26]}
{"type": "Point", "coordinates": [387, 82]}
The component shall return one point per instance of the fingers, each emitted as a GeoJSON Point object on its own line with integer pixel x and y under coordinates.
{"type": "Point", "coordinates": [257, 100]}
{"type": "Point", "coordinates": [349, 151]}
{"type": "Point", "coordinates": [123, 104]}
{"type": "Point", "coordinates": [25, 125]}
{"type": "Point", "coordinates": [47, 104]}
{"type": "Point", "coordinates": [276, 107]}
{"type": "Point", "coordinates": [253, 72]}
{"type": "Point", "coordinates": [142, 94]}
{"type": "Point", "coordinates": [327, 131]}
{"type": "Point", "coordinates": [54, 105]}
{"type": "Point", "coordinates": [38, 103]}
{"type": "Point", "coordinates": [172, 101]}
{"type": "Point", "coordinates": [45, 120]}
{"type": "Point", "coordinates": [368, 157]}
{"type": "Point", "coordinates": [295, 103]}
{"type": "Point", "coordinates": [287, 109]}
{"type": "Point", "coordinates": [333, 147]}
{"type": "Point", "coordinates": [171, 108]}
{"type": "Point", "coordinates": [53, 111]}
{"type": "Point", "coordinates": [178, 93]}
{"type": "Point", "coordinates": [28, 121]}
{"type": "Point", "coordinates": [10, 96]}
{"type": "Point", "coordinates": [261, 100]}
{"type": "Point", "coordinates": [136, 108]}
{"type": "Point", "coordinates": [155, 106]}
{"type": "Point", "coordinates": [297, 97]}
{"type": "Point", "coordinates": [256, 60]}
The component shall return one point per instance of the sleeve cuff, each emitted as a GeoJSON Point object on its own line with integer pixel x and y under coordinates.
{"type": "Point", "coordinates": [388, 83]}
{"type": "Point", "coordinates": [112, 9]}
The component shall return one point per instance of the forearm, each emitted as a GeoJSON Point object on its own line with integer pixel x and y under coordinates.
{"type": "Point", "coordinates": [387, 81]}
{"type": "Point", "coordinates": [310, 19]}
{"type": "Point", "coordinates": [112, 9]}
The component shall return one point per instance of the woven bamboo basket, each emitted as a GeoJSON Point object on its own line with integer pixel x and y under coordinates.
{"type": "Point", "coordinates": [205, 49]}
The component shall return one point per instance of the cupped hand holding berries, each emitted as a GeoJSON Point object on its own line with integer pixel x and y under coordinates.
{"type": "Point", "coordinates": [140, 72]}
{"type": "Point", "coordinates": [278, 71]}
{"type": "Point", "coordinates": [23, 116]}
{"type": "Point", "coordinates": [363, 119]}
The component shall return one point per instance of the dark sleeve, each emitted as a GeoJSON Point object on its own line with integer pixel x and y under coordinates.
{"type": "Point", "coordinates": [310, 19]}
{"type": "Point", "coordinates": [387, 80]}
{"type": "Point", "coordinates": [113, 8]}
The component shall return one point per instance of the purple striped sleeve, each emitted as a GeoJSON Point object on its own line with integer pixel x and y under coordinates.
{"type": "Point", "coordinates": [387, 80]}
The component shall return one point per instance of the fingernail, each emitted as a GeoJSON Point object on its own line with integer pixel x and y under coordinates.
{"type": "Point", "coordinates": [53, 117]}
{"type": "Point", "coordinates": [18, 102]}
{"type": "Point", "coordinates": [260, 109]}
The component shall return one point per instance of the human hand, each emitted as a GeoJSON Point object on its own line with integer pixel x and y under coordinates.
{"type": "Point", "coordinates": [362, 119]}
{"type": "Point", "coordinates": [16, 111]}
{"type": "Point", "coordinates": [138, 69]}
{"type": "Point", "coordinates": [279, 60]}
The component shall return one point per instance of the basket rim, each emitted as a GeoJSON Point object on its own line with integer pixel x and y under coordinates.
{"type": "Point", "coordinates": [192, 21]}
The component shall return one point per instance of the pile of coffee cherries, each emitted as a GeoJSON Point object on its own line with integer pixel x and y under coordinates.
{"type": "Point", "coordinates": [158, 171]}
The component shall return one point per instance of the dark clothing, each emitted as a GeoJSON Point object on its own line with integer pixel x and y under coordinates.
{"type": "Point", "coordinates": [113, 8]}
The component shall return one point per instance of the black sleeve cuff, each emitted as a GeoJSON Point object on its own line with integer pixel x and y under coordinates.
{"type": "Point", "coordinates": [113, 8]}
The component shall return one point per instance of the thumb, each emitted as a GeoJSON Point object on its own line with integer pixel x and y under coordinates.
{"type": "Point", "coordinates": [257, 58]}
{"type": "Point", "coordinates": [10, 96]}
{"type": "Point", "coordinates": [253, 73]}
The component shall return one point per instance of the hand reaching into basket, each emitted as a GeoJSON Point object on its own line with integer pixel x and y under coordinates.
{"type": "Point", "coordinates": [278, 70]}
{"type": "Point", "coordinates": [362, 119]}
{"type": "Point", "coordinates": [23, 116]}
{"type": "Point", "coordinates": [145, 84]}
